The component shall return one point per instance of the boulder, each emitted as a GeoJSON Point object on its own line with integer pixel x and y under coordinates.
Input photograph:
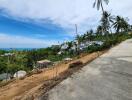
{"type": "Point", "coordinates": [20, 74]}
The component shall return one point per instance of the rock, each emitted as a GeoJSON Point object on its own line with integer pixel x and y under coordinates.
{"type": "Point", "coordinates": [20, 74]}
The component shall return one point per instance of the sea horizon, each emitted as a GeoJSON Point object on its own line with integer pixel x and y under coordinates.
{"type": "Point", "coordinates": [19, 49]}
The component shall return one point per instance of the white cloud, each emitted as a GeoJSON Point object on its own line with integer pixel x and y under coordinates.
{"type": "Point", "coordinates": [8, 41]}
{"type": "Point", "coordinates": [65, 13]}
{"type": "Point", "coordinates": [121, 7]}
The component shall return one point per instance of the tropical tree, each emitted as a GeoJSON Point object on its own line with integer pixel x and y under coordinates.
{"type": "Point", "coordinates": [120, 24]}
{"type": "Point", "coordinates": [130, 27]}
{"type": "Point", "coordinates": [99, 30]}
{"type": "Point", "coordinates": [89, 35]}
{"type": "Point", "coordinates": [99, 3]}
{"type": "Point", "coordinates": [106, 22]}
{"type": "Point", "coordinates": [3, 67]}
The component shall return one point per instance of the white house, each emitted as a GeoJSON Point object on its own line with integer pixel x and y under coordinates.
{"type": "Point", "coordinates": [64, 46]}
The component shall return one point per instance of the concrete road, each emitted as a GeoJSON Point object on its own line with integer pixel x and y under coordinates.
{"type": "Point", "coordinates": [109, 77]}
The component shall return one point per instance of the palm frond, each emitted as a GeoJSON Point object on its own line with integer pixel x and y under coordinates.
{"type": "Point", "coordinates": [98, 4]}
{"type": "Point", "coordinates": [94, 4]}
{"type": "Point", "coordinates": [106, 1]}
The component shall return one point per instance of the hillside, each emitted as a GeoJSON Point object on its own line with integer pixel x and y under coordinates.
{"type": "Point", "coordinates": [30, 85]}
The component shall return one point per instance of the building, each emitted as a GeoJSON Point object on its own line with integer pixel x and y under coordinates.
{"type": "Point", "coordinates": [7, 54]}
{"type": "Point", "coordinates": [44, 64]}
{"type": "Point", "coordinates": [64, 46]}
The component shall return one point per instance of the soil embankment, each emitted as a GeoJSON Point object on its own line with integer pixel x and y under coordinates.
{"type": "Point", "coordinates": [29, 86]}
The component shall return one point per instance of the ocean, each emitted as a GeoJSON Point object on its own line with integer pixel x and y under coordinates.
{"type": "Point", "coordinates": [18, 49]}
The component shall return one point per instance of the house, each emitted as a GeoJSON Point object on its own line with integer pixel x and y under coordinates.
{"type": "Point", "coordinates": [64, 46]}
{"type": "Point", "coordinates": [44, 64]}
{"type": "Point", "coordinates": [7, 54]}
{"type": "Point", "coordinates": [99, 42]}
{"type": "Point", "coordinates": [94, 42]}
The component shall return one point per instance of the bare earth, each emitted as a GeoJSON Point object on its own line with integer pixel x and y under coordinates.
{"type": "Point", "coordinates": [19, 88]}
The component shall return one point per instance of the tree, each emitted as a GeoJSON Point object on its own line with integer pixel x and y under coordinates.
{"type": "Point", "coordinates": [120, 24]}
{"type": "Point", "coordinates": [3, 67]}
{"type": "Point", "coordinates": [89, 35]}
{"type": "Point", "coordinates": [2, 52]}
{"type": "Point", "coordinates": [131, 28]}
{"type": "Point", "coordinates": [69, 45]}
{"type": "Point", "coordinates": [106, 22]}
{"type": "Point", "coordinates": [99, 30]}
{"type": "Point", "coordinates": [99, 3]}
{"type": "Point", "coordinates": [91, 31]}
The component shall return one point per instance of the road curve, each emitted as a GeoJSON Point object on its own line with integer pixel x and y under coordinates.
{"type": "Point", "coordinates": [109, 77]}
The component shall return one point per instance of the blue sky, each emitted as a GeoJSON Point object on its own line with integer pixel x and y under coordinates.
{"type": "Point", "coordinates": [41, 23]}
{"type": "Point", "coordinates": [44, 34]}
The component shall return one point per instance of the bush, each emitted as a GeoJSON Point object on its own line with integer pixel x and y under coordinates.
{"type": "Point", "coordinates": [76, 64]}
{"type": "Point", "coordinates": [93, 48]}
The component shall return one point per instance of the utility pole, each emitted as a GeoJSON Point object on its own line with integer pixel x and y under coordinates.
{"type": "Point", "coordinates": [76, 29]}
{"type": "Point", "coordinates": [77, 42]}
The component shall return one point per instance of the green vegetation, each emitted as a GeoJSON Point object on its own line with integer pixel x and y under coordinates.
{"type": "Point", "coordinates": [26, 60]}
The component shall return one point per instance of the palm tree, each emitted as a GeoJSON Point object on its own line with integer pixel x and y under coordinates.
{"type": "Point", "coordinates": [99, 30]}
{"type": "Point", "coordinates": [106, 22]}
{"type": "Point", "coordinates": [99, 3]}
{"type": "Point", "coordinates": [130, 27]}
{"type": "Point", "coordinates": [120, 24]}
{"type": "Point", "coordinates": [89, 35]}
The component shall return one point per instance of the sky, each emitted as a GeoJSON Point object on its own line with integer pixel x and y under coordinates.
{"type": "Point", "coordinates": [42, 23]}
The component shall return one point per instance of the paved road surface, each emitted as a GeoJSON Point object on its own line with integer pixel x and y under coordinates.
{"type": "Point", "coordinates": [107, 78]}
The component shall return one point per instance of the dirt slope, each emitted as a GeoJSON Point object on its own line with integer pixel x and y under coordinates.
{"type": "Point", "coordinates": [29, 85]}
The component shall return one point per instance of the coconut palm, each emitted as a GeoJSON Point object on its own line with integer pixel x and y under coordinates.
{"type": "Point", "coordinates": [106, 22]}
{"type": "Point", "coordinates": [89, 35]}
{"type": "Point", "coordinates": [130, 27]}
{"type": "Point", "coordinates": [99, 3]}
{"type": "Point", "coordinates": [120, 24]}
{"type": "Point", "coordinates": [99, 30]}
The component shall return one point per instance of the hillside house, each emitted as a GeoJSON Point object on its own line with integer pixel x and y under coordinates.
{"type": "Point", "coordinates": [44, 64]}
